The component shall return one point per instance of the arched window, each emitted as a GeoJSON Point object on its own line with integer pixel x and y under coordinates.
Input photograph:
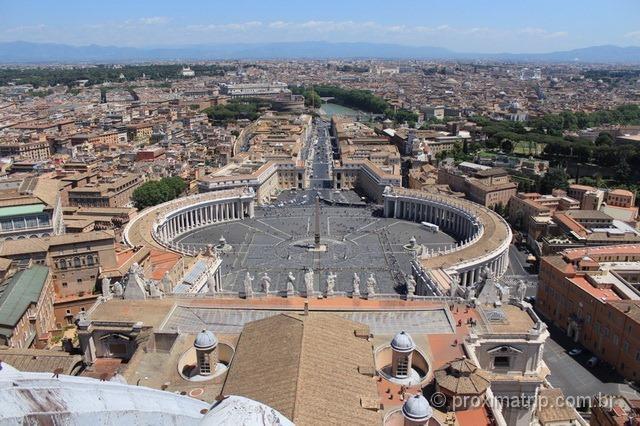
{"type": "Point", "coordinates": [204, 363]}
{"type": "Point", "coordinates": [76, 262]}
{"type": "Point", "coordinates": [403, 366]}
{"type": "Point", "coordinates": [90, 260]}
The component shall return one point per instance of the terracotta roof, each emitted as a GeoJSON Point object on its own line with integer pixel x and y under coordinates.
{"type": "Point", "coordinates": [307, 368]}
{"type": "Point", "coordinates": [601, 293]}
{"type": "Point", "coordinates": [553, 408]}
{"type": "Point", "coordinates": [161, 262]}
{"type": "Point", "coordinates": [462, 377]}
{"type": "Point", "coordinates": [40, 360]}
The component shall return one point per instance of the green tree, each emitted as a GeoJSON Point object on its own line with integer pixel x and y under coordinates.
{"type": "Point", "coordinates": [604, 138]}
{"type": "Point", "coordinates": [623, 172]}
{"type": "Point", "coordinates": [158, 191]}
{"type": "Point", "coordinates": [507, 146]}
{"type": "Point", "coordinates": [556, 177]}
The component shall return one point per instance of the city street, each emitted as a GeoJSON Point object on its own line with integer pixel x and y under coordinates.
{"type": "Point", "coordinates": [571, 374]}
{"type": "Point", "coordinates": [519, 270]}
{"type": "Point", "coordinates": [321, 173]}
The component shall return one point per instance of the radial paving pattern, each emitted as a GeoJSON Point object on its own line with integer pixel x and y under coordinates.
{"type": "Point", "coordinates": [276, 241]}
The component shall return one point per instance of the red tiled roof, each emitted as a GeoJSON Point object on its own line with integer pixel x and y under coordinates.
{"type": "Point", "coordinates": [599, 293]}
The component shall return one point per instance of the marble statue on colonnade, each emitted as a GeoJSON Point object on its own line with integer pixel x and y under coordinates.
{"type": "Point", "coordinates": [248, 285]}
{"type": "Point", "coordinates": [371, 285]}
{"type": "Point", "coordinates": [291, 279]}
{"type": "Point", "coordinates": [356, 285]}
{"type": "Point", "coordinates": [411, 286]}
{"type": "Point", "coordinates": [118, 290]}
{"type": "Point", "coordinates": [265, 283]}
{"type": "Point", "coordinates": [521, 290]}
{"type": "Point", "coordinates": [308, 282]}
{"type": "Point", "coordinates": [455, 283]}
{"type": "Point", "coordinates": [106, 288]}
{"type": "Point", "coordinates": [331, 283]}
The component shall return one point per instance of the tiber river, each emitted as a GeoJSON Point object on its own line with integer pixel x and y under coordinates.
{"type": "Point", "coordinates": [335, 109]}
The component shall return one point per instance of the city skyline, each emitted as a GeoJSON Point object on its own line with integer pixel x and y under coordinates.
{"type": "Point", "coordinates": [460, 26]}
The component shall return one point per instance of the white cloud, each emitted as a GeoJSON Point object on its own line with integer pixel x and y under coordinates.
{"type": "Point", "coordinates": [154, 20]}
{"type": "Point", "coordinates": [241, 26]}
{"type": "Point", "coordinates": [160, 30]}
{"type": "Point", "coordinates": [25, 28]}
{"type": "Point", "coordinates": [633, 34]}
{"type": "Point", "coordinates": [540, 32]}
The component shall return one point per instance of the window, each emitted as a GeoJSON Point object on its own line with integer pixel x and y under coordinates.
{"type": "Point", "coordinates": [203, 361]}
{"type": "Point", "coordinates": [625, 346]}
{"type": "Point", "coordinates": [402, 369]}
{"type": "Point", "coordinates": [76, 262]}
{"type": "Point", "coordinates": [64, 284]}
{"type": "Point", "coordinates": [501, 362]}
{"type": "Point", "coordinates": [90, 260]}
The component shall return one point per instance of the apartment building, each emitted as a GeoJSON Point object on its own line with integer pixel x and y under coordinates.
{"type": "Point", "coordinates": [113, 191]}
{"type": "Point", "coordinates": [27, 149]}
{"type": "Point", "coordinates": [593, 295]}
{"type": "Point", "coordinates": [140, 132]}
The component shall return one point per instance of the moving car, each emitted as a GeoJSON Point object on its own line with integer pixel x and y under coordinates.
{"type": "Point", "coordinates": [575, 352]}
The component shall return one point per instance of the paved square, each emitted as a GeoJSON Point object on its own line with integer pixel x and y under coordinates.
{"type": "Point", "coordinates": [358, 241]}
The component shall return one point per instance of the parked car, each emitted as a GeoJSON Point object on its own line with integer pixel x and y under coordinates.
{"type": "Point", "coordinates": [575, 352]}
{"type": "Point", "coordinates": [593, 361]}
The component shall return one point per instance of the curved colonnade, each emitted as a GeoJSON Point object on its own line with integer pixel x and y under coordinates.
{"type": "Point", "coordinates": [160, 225]}
{"type": "Point", "coordinates": [483, 236]}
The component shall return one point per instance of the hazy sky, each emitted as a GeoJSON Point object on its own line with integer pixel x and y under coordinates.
{"type": "Point", "coordinates": [462, 25]}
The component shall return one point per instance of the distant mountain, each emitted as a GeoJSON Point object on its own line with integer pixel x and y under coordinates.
{"type": "Point", "coordinates": [593, 54]}
{"type": "Point", "coordinates": [25, 52]}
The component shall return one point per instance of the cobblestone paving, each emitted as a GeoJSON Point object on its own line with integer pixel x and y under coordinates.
{"type": "Point", "coordinates": [357, 241]}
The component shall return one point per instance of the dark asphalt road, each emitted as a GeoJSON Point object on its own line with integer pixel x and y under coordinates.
{"type": "Point", "coordinates": [320, 168]}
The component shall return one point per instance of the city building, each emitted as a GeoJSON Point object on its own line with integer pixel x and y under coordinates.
{"type": "Point", "coordinates": [578, 228]}
{"type": "Point", "coordinates": [593, 295]}
{"type": "Point", "coordinates": [113, 191]}
{"type": "Point", "coordinates": [30, 207]}
{"type": "Point", "coordinates": [532, 212]}
{"type": "Point", "coordinates": [490, 187]}
{"type": "Point", "coordinates": [75, 260]}
{"type": "Point", "coordinates": [26, 308]}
